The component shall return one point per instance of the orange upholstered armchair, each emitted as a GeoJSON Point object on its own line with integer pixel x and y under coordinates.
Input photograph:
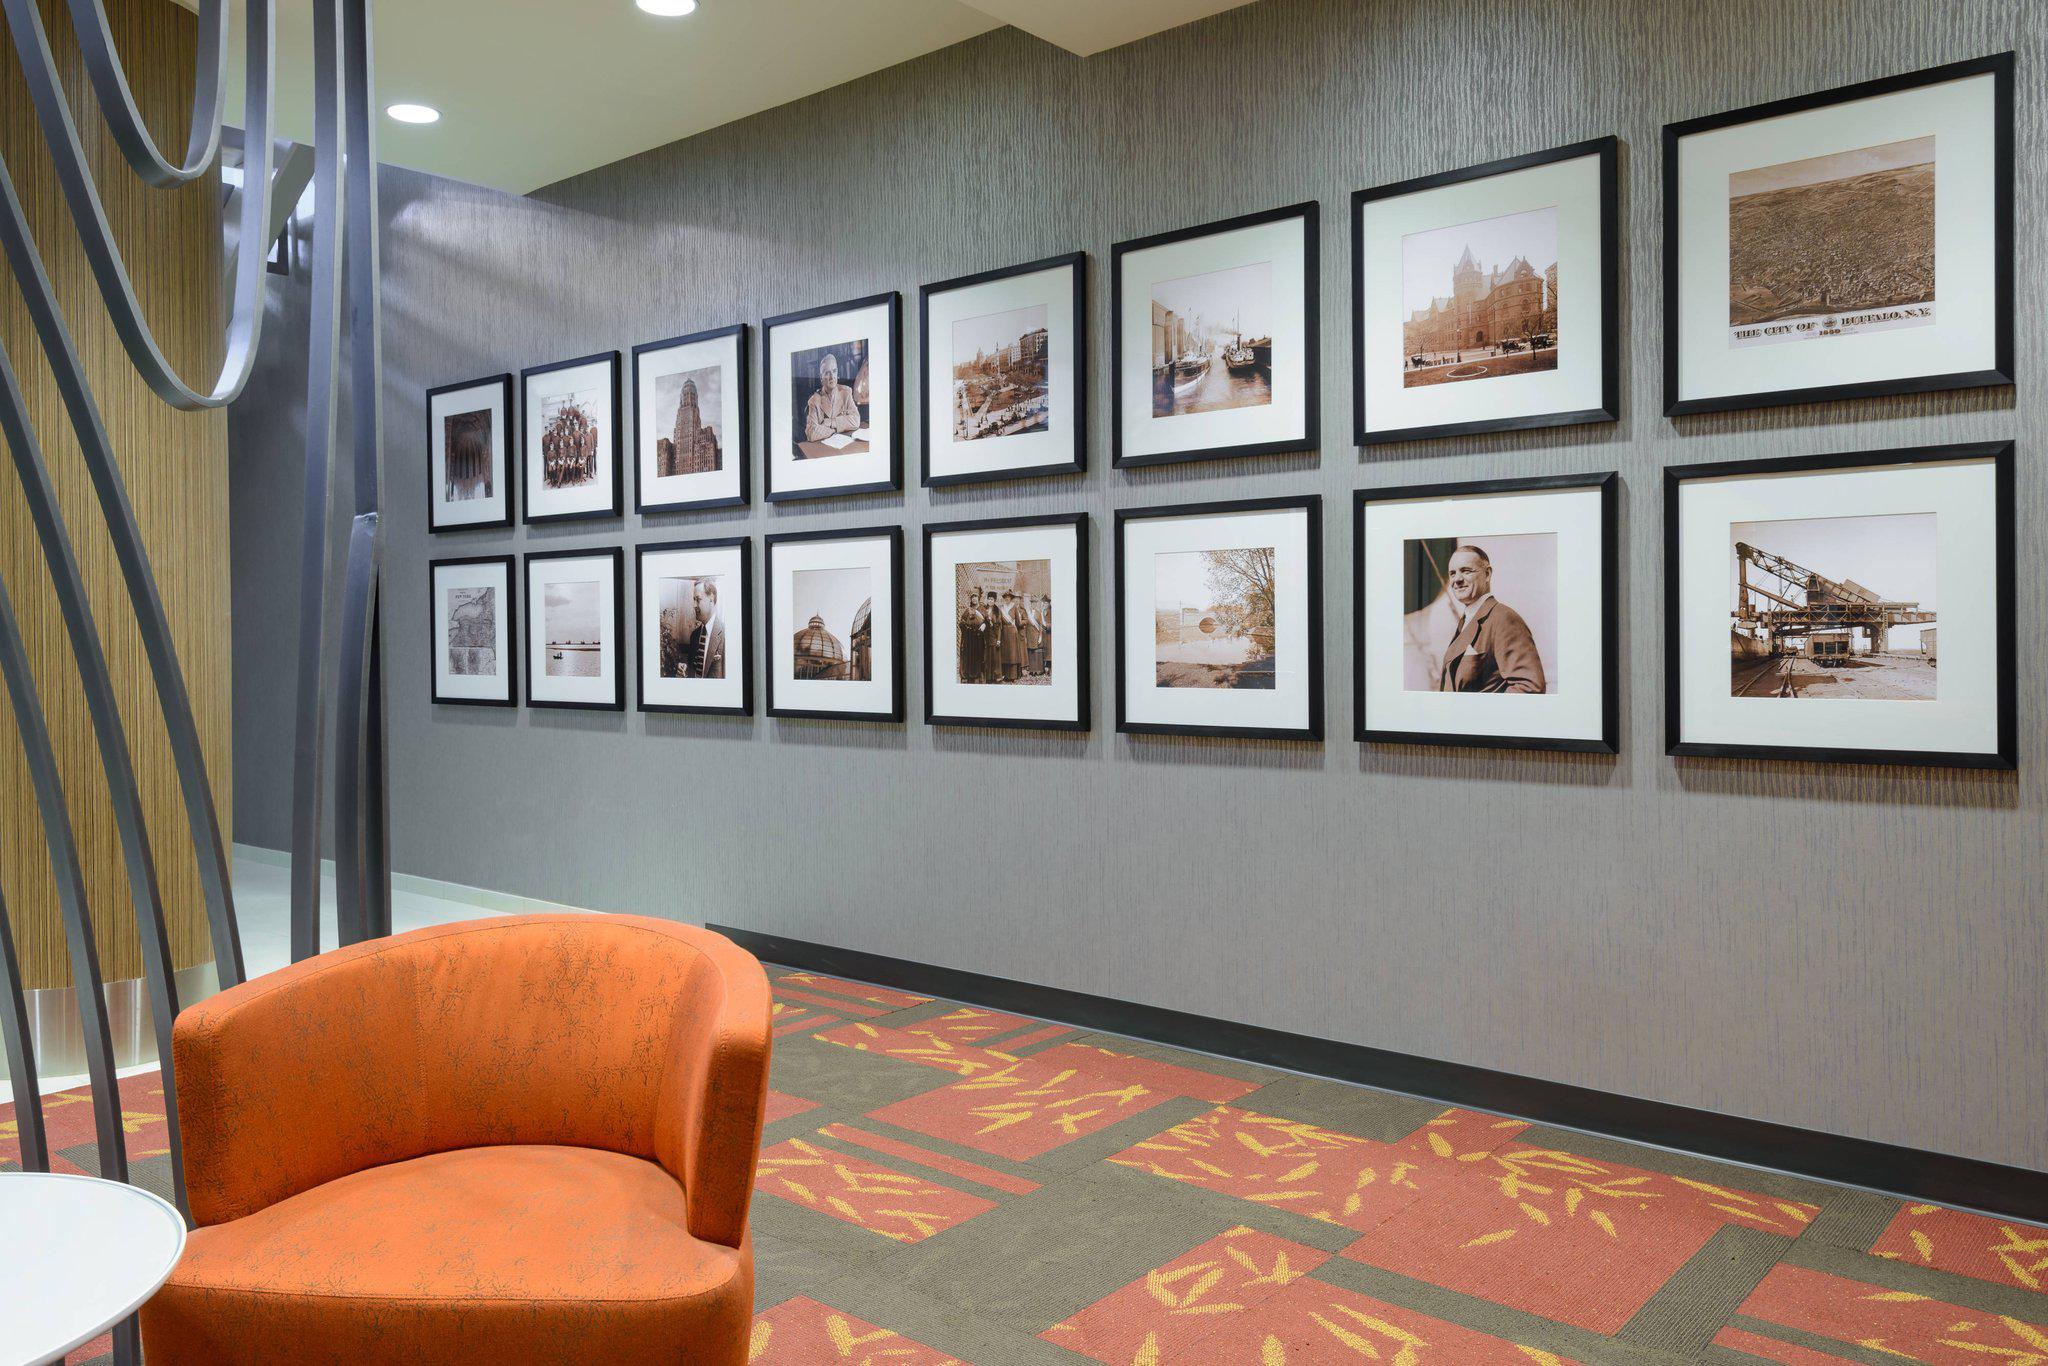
{"type": "Point", "coordinates": [527, 1139]}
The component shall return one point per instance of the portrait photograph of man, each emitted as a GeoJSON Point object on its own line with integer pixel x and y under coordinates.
{"type": "Point", "coordinates": [1481, 614]}
{"type": "Point", "coordinates": [829, 400]}
{"type": "Point", "coordinates": [692, 628]}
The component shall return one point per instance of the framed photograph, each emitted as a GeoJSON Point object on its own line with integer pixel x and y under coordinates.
{"type": "Point", "coordinates": [1843, 244]}
{"type": "Point", "coordinates": [570, 439]}
{"type": "Point", "coordinates": [1213, 340]}
{"type": "Point", "coordinates": [690, 422]}
{"type": "Point", "coordinates": [1219, 619]}
{"type": "Point", "coordinates": [1005, 373]}
{"type": "Point", "coordinates": [1849, 608]}
{"type": "Point", "coordinates": [469, 449]}
{"type": "Point", "coordinates": [835, 624]}
{"type": "Point", "coordinates": [575, 618]}
{"type": "Point", "coordinates": [694, 609]}
{"type": "Point", "coordinates": [1484, 300]}
{"type": "Point", "coordinates": [471, 606]}
{"type": "Point", "coordinates": [1483, 614]}
{"type": "Point", "coordinates": [1006, 628]}
{"type": "Point", "coordinates": [833, 398]}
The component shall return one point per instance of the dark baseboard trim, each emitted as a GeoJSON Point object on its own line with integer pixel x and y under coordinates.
{"type": "Point", "coordinates": [2015, 1192]}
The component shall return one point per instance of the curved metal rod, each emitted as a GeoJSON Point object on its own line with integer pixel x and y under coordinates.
{"type": "Point", "coordinates": [316, 601]}
{"type": "Point", "coordinates": [361, 889]}
{"type": "Point", "coordinates": [74, 176]}
{"type": "Point", "coordinates": [117, 102]}
{"type": "Point", "coordinates": [361, 825]}
{"type": "Point", "coordinates": [34, 1147]}
{"type": "Point", "coordinates": [115, 760]}
{"type": "Point", "coordinates": [188, 755]}
{"type": "Point", "coordinates": [86, 982]}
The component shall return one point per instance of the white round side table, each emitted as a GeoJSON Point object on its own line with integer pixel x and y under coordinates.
{"type": "Point", "coordinates": [80, 1254]}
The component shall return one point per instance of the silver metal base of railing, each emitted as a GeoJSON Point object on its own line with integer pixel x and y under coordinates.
{"type": "Point", "coordinates": [54, 1022]}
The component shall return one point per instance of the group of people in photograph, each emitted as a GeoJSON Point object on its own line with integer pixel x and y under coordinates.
{"type": "Point", "coordinates": [1005, 636]}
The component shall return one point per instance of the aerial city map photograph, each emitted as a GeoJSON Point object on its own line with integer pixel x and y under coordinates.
{"type": "Point", "coordinates": [1832, 245]}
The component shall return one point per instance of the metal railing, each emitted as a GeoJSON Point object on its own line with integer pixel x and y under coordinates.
{"type": "Point", "coordinates": [344, 230]}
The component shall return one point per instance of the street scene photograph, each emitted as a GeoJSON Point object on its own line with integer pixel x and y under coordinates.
{"type": "Point", "coordinates": [1832, 245]}
{"type": "Point", "coordinates": [1480, 299]}
{"type": "Point", "coordinates": [1214, 621]}
{"type": "Point", "coordinates": [1000, 386]}
{"type": "Point", "coordinates": [1212, 341]}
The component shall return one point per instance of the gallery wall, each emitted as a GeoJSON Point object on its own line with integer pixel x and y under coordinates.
{"type": "Point", "coordinates": [1857, 950]}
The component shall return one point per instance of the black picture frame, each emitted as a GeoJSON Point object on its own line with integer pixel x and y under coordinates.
{"type": "Point", "coordinates": [741, 450]}
{"type": "Point", "coordinates": [513, 620]}
{"type": "Point", "coordinates": [894, 534]}
{"type": "Point", "coordinates": [1999, 66]}
{"type": "Point", "coordinates": [1608, 483]}
{"type": "Point", "coordinates": [1077, 263]}
{"type": "Point", "coordinates": [2006, 755]}
{"type": "Point", "coordinates": [1310, 214]}
{"type": "Point", "coordinates": [1311, 505]}
{"type": "Point", "coordinates": [618, 559]}
{"type": "Point", "coordinates": [616, 440]}
{"type": "Point", "coordinates": [1608, 150]}
{"type": "Point", "coordinates": [1083, 673]}
{"type": "Point", "coordinates": [893, 301]}
{"type": "Point", "coordinates": [509, 471]}
{"type": "Point", "coordinates": [741, 643]}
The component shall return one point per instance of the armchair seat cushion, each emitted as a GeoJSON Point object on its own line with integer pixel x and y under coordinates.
{"type": "Point", "coordinates": [529, 1252]}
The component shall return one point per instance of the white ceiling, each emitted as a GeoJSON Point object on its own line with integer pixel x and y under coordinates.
{"type": "Point", "coordinates": [533, 91]}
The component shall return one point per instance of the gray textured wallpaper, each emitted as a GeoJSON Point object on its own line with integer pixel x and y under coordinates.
{"type": "Point", "coordinates": [1849, 949]}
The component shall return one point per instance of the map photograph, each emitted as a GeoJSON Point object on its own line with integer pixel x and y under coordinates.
{"type": "Point", "coordinates": [1832, 245]}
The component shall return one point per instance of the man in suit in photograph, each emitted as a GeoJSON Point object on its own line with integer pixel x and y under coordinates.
{"type": "Point", "coordinates": [833, 409]}
{"type": "Point", "coordinates": [1492, 650]}
{"type": "Point", "coordinates": [706, 649]}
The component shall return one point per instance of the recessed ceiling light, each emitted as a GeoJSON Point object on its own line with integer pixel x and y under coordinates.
{"type": "Point", "coordinates": [668, 9]}
{"type": "Point", "coordinates": [414, 113]}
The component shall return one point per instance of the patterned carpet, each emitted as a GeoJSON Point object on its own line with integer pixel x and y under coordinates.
{"type": "Point", "coordinates": [945, 1184]}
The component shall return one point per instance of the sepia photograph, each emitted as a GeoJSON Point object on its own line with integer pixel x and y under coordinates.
{"type": "Point", "coordinates": [835, 643]}
{"type": "Point", "coordinates": [1480, 299]}
{"type": "Point", "coordinates": [829, 400]}
{"type": "Point", "coordinates": [692, 627]}
{"type": "Point", "coordinates": [1214, 623]}
{"type": "Point", "coordinates": [691, 405]}
{"type": "Point", "coordinates": [1832, 246]}
{"type": "Point", "coordinates": [468, 432]}
{"type": "Point", "coordinates": [1480, 614]}
{"type": "Point", "coordinates": [1834, 608]}
{"type": "Point", "coordinates": [1000, 384]}
{"type": "Point", "coordinates": [1005, 622]}
{"type": "Point", "coordinates": [570, 442]}
{"type": "Point", "coordinates": [467, 456]}
{"type": "Point", "coordinates": [472, 631]}
{"type": "Point", "coordinates": [574, 627]}
{"type": "Point", "coordinates": [1212, 341]}
{"type": "Point", "coordinates": [1880, 212]}
{"type": "Point", "coordinates": [473, 604]}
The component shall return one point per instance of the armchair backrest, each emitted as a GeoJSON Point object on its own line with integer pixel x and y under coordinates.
{"type": "Point", "coordinates": [637, 1035]}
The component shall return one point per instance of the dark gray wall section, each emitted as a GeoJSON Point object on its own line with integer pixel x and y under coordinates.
{"type": "Point", "coordinates": [1856, 950]}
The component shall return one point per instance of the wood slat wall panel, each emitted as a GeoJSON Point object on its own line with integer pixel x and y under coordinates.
{"type": "Point", "coordinates": [176, 468]}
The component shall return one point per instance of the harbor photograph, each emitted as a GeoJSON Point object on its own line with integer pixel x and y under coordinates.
{"type": "Point", "coordinates": [1212, 341]}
